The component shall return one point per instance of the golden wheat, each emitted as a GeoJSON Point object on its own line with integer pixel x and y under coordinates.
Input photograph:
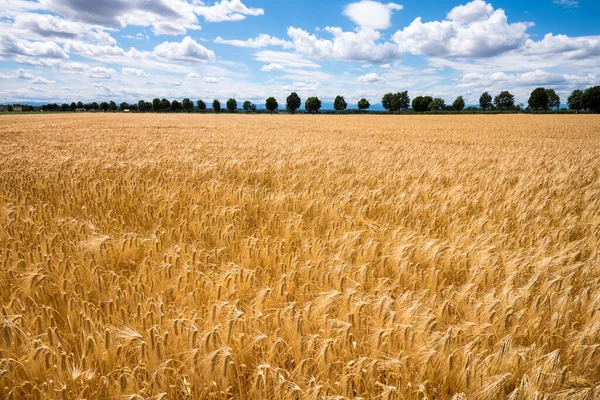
{"type": "Point", "coordinates": [299, 257]}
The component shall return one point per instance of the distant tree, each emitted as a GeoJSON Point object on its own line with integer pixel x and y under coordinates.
{"type": "Point", "coordinates": [271, 104]}
{"type": "Point", "coordinates": [363, 104]}
{"type": "Point", "coordinates": [123, 106]}
{"type": "Point", "coordinates": [386, 101]}
{"type": "Point", "coordinates": [504, 101]}
{"type": "Point", "coordinates": [216, 106]}
{"type": "Point", "coordinates": [112, 106]}
{"type": "Point", "coordinates": [156, 105]}
{"type": "Point", "coordinates": [201, 105]}
{"type": "Point", "coordinates": [231, 105]}
{"type": "Point", "coordinates": [133, 107]}
{"type": "Point", "coordinates": [591, 99]}
{"type": "Point", "coordinates": [104, 106]}
{"type": "Point", "coordinates": [187, 105]}
{"type": "Point", "coordinates": [538, 99]}
{"type": "Point", "coordinates": [313, 104]}
{"type": "Point", "coordinates": [339, 104]}
{"type": "Point", "coordinates": [249, 106]}
{"type": "Point", "coordinates": [421, 103]}
{"type": "Point", "coordinates": [395, 101]}
{"type": "Point", "coordinates": [437, 104]}
{"type": "Point", "coordinates": [175, 106]}
{"type": "Point", "coordinates": [485, 101]}
{"type": "Point", "coordinates": [165, 104]}
{"type": "Point", "coordinates": [73, 106]}
{"type": "Point", "coordinates": [10, 108]}
{"type": "Point", "coordinates": [293, 102]}
{"type": "Point", "coordinates": [575, 100]}
{"type": "Point", "coordinates": [64, 107]}
{"type": "Point", "coordinates": [459, 104]}
{"type": "Point", "coordinates": [142, 106]}
{"type": "Point", "coordinates": [95, 106]}
{"type": "Point", "coordinates": [553, 99]}
{"type": "Point", "coordinates": [79, 104]}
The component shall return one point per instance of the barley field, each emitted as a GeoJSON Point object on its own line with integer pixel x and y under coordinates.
{"type": "Point", "coordinates": [299, 257]}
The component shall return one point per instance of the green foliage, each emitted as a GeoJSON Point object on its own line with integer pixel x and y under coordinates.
{"type": "Point", "coordinates": [104, 106]}
{"type": "Point", "coordinates": [176, 106]}
{"type": "Point", "coordinates": [201, 105]}
{"type": "Point", "coordinates": [459, 104]}
{"type": "Point", "coordinates": [485, 101]}
{"type": "Point", "coordinates": [538, 99]}
{"type": "Point", "coordinates": [249, 106]}
{"type": "Point", "coordinates": [156, 105]}
{"type": "Point", "coordinates": [271, 104]}
{"type": "Point", "coordinates": [363, 104]}
{"type": "Point", "coordinates": [421, 103]}
{"type": "Point", "coordinates": [395, 101]}
{"type": "Point", "coordinates": [339, 103]}
{"type": "Point", "coordinates": [232, 105]}
{"type": "Point", "coordinates": [187, 105]}
{"type": "Point", "coordinates": [504, 101]}
{"type": "Point", "coordinates": [293, 102]}
{"type": "Point", "coordinates": [165, 104]}
{"type": "Point", "coordinates": [591, 99]}
{"type": "Point", "coordinates": [65, 107]}
{"type": "Point", "coordinates": [112, 106]}
{"type": "Point", "coordinates": [553, 99]}
{"type": "Point", "coordinates": [437, 104]}
{"type": "Point", "coordinates": [575, 100]}
{"type": "Point", "coordinates": [313, 104]}
{"type": "Point", "coordinates": [123, 106]}
{"type": "Point", "coordinates": [216, 106]}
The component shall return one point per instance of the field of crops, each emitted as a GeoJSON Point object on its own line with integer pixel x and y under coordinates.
{"type": "Point", "coordinates": [299, 257]}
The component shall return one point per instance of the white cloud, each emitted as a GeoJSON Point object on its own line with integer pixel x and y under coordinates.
{"type": "Point", "coordinates": [133, 71]}
{"type": "Point", "coordinates": [371, 78]}
{"type": "Point", "coordinates": [11, 46]}
{"type": "Point", "coordinates": [36, 80]}
{"type": "Point", "coordinates": [284, 59]}
{"type": "Point", "coordinates": [175, 83]}
{"type": "Point", "coordinates": [211, 80]}
{"type": "Point", "coordinates": [575, 48]}
{"type": "Point", "coordinates": [22, 74]}
{"type": "Point", "coordinates": [42, 81]}
{"type": "Point", "coordinates": [272, 67]}
{"type": "Point", "coordinates": [192, 75]}
{"type": "Point", "coordinates": [261, 40]}
{"type": "Point", "coordinates": [567, 3]}
{"type": "Point", "coordinates": [348, 46]}
{"type": "Point", "coordinates": [371, 14]}
{"type": "Point", "coordinates": [188, 50]}
{"type": "Point", "coordinates": [471, 31]}
{"type": "Point", "coordinates": [227, 10]}
{"type": "Point", "coordinates": [101, 73]}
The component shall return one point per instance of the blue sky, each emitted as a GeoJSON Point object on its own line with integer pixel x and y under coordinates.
{"type": "Point", "coordinates": [126, 50]}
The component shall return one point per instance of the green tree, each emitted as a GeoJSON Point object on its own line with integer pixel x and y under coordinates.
{"type": "Point", "coordinates": [112, 106]}
{"type": "Point", "coordinates": [421, 103]}
{"type": "Point", "coordinates": [538, 99]}
{"type": "Point", "coordinates": [504, 101]}
{"type": "Point", "coordinates": [437, 104]}
{"type": "Point", "coordinates": [248, 106]}
{"type": "Point", "coordinates": [485, 101]}
{"type": "Point", "coordinates": [187, 105]}
{"type": "Point", "coordinates": [313, 104]}
{"type": "Point", "coordinates": [175, 106]}
{"type": "Point", "coordinates": [79, 104]}
{"type": "Point", "coordinates": [123, 106]}
{"type": "Point", "coordinates": [553, 99]}
{"type": "Point", "coordinates": [591, 99]}
{"type": "Point", "coordinates": [231, 105]}
{"type": "Point", "coordinates": [73, 106]}
{"type": "Point", "coordinates": [459, 104]}
{"type": "Point", "coordinates": [201, 105]}
{"type": "Point", "coordinates": [339, 103]}
{"type": "Point", "coordinates": [293, 102]}
{"type": "Point", "coordinates": [104, 106]}
{"type": "Point", "coordinates": [386, 101]}
{"type": "Point", "coordinates": [165, 104]}
{"type": "Point", "coordinates": [216, 106]}
{"type": "Point", "coordinates": [64, 107]}
{"type": "Point", "coordinates": [271, 104]}
{"type": "Point", "coordinates": [10, 108]}
{"type": "Point", "coordinates": [395, 101]}
{"type": "Point", "coordinates": [156, 105]}
{"type": "Point", "coordinates": [363, 104]}
{"type": "Point", "coordinates": [575, 100]}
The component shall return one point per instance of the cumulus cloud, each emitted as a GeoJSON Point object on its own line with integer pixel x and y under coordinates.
{"type": "Point", "coordinates": [133, 71]}
{"type": "Point", "coordinates": [211, 80]}
{"type": "Point", "coordinates": [101, 73]}
{"type": "Point", "coordinates": [348, 46]}
{"type": "Point", "coordinates": [11, 46]}
{"type": "Point", "coordinates": [36, 80]}
{"type": "Point", "coordinates": [575, 48]}
{"type": "Point", "coordinates": [371, 78]}
{"type": "Point", "coordinates": [284, 59]}
{"type": "Point", "coordinates": [371, 14]}
{"type": "Point", "coordinates": [188, 50]}
{"type": "Point", "coordinates": [272, 67]}
{"type": "Point", "coordinates": [227, 10]}
{"type": "Point", "coordinates": [261, 40]}
{"type": "Point", "coordinates": [192, 75]}
{"type": "Point", "coordinates": [470, 31]}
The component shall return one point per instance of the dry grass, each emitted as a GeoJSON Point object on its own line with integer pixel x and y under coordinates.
{"type": "Point", "coordinates": [299, 257]}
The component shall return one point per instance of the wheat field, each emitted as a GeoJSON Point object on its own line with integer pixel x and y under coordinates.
{"type": "Point", "coordinates": [299, 257]}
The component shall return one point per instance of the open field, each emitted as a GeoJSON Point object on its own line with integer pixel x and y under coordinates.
{"type": "Point", "coordinates": [299, 257]}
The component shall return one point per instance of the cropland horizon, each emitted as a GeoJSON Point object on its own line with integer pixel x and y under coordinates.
{"type": "Point", "coordinates": [202, 256]}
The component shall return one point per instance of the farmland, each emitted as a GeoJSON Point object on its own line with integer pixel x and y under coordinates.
{"type": "Point", "coordinates": [299, 257]}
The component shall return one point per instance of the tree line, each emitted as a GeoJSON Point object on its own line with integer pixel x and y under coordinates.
{"type": "Point", "coordinates": [540, 99]}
